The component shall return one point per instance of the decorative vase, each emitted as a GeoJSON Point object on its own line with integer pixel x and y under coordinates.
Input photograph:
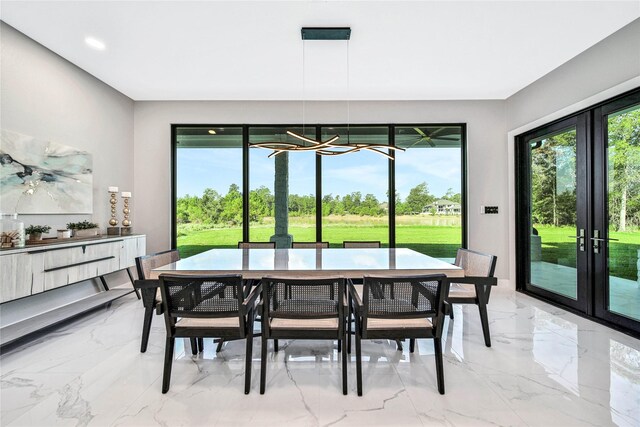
{"type": "Point", "coordinates": [89, 232]}
{"type": "Point", "coordinates": [64, 234]}
{"type": "Point", "coordinates": [35, 236]}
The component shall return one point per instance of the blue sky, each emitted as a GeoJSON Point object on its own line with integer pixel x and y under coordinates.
{"type": "Point", "coordinates": [365, 172]}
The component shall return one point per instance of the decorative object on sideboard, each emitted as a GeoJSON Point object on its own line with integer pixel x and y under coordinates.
{"type": "Point", "coordinates": [113, 229]}
{"type": "Point", "coordinates": [64, 234]}
{"type": "Point", "coordinates": [44, 177]}
{"type": "Point", "coordinates": [126, 223]}
{"type": "Point", "coordinates": [35, 231]}
{"type": "Point", "coordinates": [83, 228]}
{"type": "Point", "coordinates": [11, 231]}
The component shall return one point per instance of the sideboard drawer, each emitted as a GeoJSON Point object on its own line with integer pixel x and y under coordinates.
{"type": "Point", "coordinates": [17, 275]}
{"type": "Point", "coordinates": [70, 265]}
{"type": "Point", "coordinates": [68, 257]}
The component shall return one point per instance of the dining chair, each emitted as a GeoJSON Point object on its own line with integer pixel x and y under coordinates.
{"type": "Point", "coordinates": [150, 289]}
{"type": "Point", "coordinates": [256, 245]}
{"type": "Point", "coordinates": [400, 307]}
{"type": "Point", "coordinates": [363, 244]}
{"type": "Point", "coordinates": [309, 245]}
{"type": "Point", "coordinates": [475, 287]}
{"type": "Point", "coordinates": [207, 306]}
{"type": "Point", "coordinates": [303, 308]}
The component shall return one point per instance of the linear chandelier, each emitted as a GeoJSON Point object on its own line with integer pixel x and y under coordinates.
{"type": "Point", "coordinates": [324, 148]}
{"type": "Point", "coordinates": [328, 147]}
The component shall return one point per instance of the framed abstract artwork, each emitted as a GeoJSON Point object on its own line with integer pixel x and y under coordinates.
{"type": "Point", "coordinates": [44, 177]}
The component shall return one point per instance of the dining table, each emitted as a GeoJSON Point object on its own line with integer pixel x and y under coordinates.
{"type": "Point", "coordinates": [351, 263]}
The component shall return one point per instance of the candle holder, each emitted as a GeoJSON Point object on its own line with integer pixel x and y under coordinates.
{"type": "Point", "coordinates": [113, 230]}
{"type": "Point", "coordinates": [126, 223]}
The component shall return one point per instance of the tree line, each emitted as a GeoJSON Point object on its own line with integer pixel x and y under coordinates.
{"type": "Point", "coordinates": [553, 175]}
{"type": "Point", "coordinates": [215, 208]}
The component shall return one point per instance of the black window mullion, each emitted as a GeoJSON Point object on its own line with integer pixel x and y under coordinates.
{"type": "Point", "coordinates": [318, 190]}
{"type": "Point", "coordinates": [391, 202]}
{"type": "Point", "coordinates": [245, 183]}
{"type": "Point", "coordinates": [463, 198]}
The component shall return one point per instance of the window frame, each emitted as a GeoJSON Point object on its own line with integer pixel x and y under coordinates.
{"type": "Point", "coordinates": [318, 172]}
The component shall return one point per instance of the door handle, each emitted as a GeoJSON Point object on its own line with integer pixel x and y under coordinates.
{"type": "Point", "coordinates": [580, 236]}
{"type": "Point", "coordinates": [596, 239]}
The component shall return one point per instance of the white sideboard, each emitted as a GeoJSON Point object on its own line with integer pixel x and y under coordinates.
{"type": "Point", "coordinates": [32, 276]}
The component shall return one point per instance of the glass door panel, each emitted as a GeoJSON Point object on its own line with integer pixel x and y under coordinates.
{"type": "Point", "coordinates": [617, 250]}
{"type": "Point", "coordinates": [553, 213]}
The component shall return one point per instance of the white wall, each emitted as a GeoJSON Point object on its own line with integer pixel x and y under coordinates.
{"type": "Point", "coordinates": [609, 68]}
{"type": "Point", "coordinates": [608, 63]}
{"type": "Point", "coordinates": [49, 98]}
{"type": "Point", "coordinates": [487, 177]}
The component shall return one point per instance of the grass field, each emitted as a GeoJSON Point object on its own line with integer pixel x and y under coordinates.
{"type": "Point", "coordinates": [441, 242]}
{"type": "Point", "coordinates": [559, 248]}
{"type": "Point", "coordinates": [439, 237]}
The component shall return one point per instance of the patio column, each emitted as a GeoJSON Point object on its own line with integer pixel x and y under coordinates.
{"type": "Point", "coordinates": [281, 189]}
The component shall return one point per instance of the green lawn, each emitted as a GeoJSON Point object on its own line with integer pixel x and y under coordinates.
{"type": "Point", "coordinates": [559, 248]}
{"type": "Point", "coordinates": [435, 240]}
{"type": "Point", "coordinates": [441, 242]}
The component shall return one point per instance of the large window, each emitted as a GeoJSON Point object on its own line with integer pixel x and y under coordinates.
{"type": "Point", "coordinates": [228, 189]}
{"type": "Point", "coordinates": [355, 188]}
{"type": "Point", "coordinates": [296, 174]}
{"type": "Point", "coordinates": [208, 188]}
{"type": "Point", "coordinates": [429, 189]}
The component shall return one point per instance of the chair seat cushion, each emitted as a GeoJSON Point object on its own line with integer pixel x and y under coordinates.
{"type": "Point", "coordinates": [284, 323]}
{"type": "Point", "coordinates": [462, 290]}
{"type": "Point", "coordinates": [379, 323]}
{"type": "Point", "coordinates": [209, 322]}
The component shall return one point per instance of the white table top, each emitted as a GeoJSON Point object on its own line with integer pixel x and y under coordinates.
{"type": "Point", "coordinates": [350, 263]}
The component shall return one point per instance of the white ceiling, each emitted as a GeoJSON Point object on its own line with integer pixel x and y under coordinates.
{"type": "Point", "coordinates": [240, 50]}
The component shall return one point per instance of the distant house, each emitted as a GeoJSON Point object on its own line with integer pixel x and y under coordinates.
{"type": "Point", "coordinates": [444, 207]}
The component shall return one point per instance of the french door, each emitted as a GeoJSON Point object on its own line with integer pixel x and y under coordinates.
{"type": "Point", "coordinates": [578, 212]}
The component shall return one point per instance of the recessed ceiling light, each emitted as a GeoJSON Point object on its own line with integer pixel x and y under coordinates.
{"type": "Point", "coordinates": [212, 132]}
{"type": "Point", "coordinates": [94, 43]}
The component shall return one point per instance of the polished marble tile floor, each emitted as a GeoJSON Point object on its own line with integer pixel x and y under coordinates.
{"type": "Point", "coordinates": [547, 367]}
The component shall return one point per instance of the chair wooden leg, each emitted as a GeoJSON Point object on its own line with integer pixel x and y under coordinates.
{"type": "Point", "coordinates": [344, 371]}
{"type": "Point", "coordinates": [263, 365]}
{"type": "Point", "coordinates": [358, 362]}
{"type": "Point", "coordinates": [399, 344]}
{"type": "Point", "coordinates": [220, 344]}
{"type": "Point", "coordinates": [168, 361]}
{"type": "Point", "coordinates": [194, 345]}
{"type": "Point", "coordinates": [275, 345]}
{"type": "Point", "coordinates": [412, 345]}
{"type": "Point", "coordinates": [349, 311]}
{"type": "Point", "coordinates": [437, 343]}
{"type": "Point", "coordinates": [451, 311]}
{"type": "Point", "coordinates": [133, 280]}
{"type": "Point", "coordinates": [248, 359]}
{"type": "Point", "coordinates": [200, 344]}
{"type": "Point", "coordinates": [339, 346]}
{"type": "Point", "coordinates": [484, 319]}
{"type": "Point", "coordinates": [146, 328]}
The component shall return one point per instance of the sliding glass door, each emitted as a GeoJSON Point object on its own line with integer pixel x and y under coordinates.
{"type": "Point", "coordinates": [578, 211]}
